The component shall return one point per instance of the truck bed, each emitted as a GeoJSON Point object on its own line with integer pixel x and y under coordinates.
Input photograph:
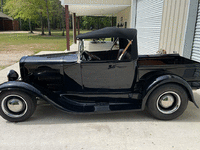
{"type": "Point", "coordinates": [170, 64]}
{"type": "Point", "coordinates": [149, 60]}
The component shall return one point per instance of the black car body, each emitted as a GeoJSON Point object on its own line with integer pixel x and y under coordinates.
{"type": "Point", "coordinates": [102, 81]}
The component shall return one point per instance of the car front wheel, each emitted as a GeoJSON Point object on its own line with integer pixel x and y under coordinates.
{"type": "Point", "coordinates": [167, 102]}
{"type": "Point", "coordinates": [16, 106]}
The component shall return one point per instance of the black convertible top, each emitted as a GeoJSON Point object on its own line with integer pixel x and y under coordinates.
{"type": "Point", "coordinates": [110, 32]}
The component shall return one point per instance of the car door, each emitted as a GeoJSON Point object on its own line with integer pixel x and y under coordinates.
{"type": "Point", "coordinates": [98, 75]}
{"type": "Point", "coordinates": [108, 75]}
{"type": "Point", "coordinates": [125, 75]}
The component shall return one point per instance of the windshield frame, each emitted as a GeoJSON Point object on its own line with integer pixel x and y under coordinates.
{"type": "Point", "coordinates": [81, 46]}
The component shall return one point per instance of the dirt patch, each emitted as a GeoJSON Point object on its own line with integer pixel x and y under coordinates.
{"type": "Point", "coordinates": [10, 57]}
{"type": "Point", "coordinates": [24, 47]}
{"type": "Point", "coordinates": [34, 48]}
{"type": "Point", "coordinates": [10, 54]}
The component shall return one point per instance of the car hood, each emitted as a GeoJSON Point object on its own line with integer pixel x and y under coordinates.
{"type": "Point", "coordinates": [51, 58]}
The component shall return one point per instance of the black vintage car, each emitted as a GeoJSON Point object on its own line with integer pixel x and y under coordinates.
{"type": "Point", "coordinates": [102, 81]}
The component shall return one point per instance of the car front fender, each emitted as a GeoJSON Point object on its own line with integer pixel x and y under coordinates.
{"type": "Point", "coordinates": [29, 89]}
{"type": "Point", "coordinates": [21, 86]}
{"type": "Point", "coordinates": [164, 79]}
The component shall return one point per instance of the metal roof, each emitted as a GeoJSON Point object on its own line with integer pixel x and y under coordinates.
{"type": "Point", "coordinates": [2, 15]}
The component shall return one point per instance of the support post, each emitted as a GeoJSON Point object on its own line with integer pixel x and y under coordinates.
{"type": "Point", "coordinates": [74, 28]}
{"type": "Point", "coordinates": [67, 26]}
{"type": "Point", "coordinates": [78, 25]}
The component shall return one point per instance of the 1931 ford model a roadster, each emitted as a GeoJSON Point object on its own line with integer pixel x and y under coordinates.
{"type": "Point", "coordinates": [102, 81]}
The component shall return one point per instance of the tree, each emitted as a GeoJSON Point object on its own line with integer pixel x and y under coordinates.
{"type": "Point", "coordinates": [42, 23]}
{"type": "Point", "coordinates": [56, 12]}
{"type": "Point", "coordinates": [1, 5]}
{"type": "Point", "coordinates": [41, 11]}
{"type": "Point", "coordinates": [24, 9]}
{"type": "Point", "coordinates": [36, 11]}
{"type": "Point", "coordinates": [49, 25]}
{"type": "Point", "coordinates": [29, 10]}
{"type": "Point", "coordinates": [63, 20]}
{"type": "Point", "coordinates": [96, 22]}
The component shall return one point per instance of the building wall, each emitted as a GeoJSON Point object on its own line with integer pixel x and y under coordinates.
{"type": "Point", "coordinates": [1, 24]}
{"type": "Point", "coordinates": [133, 13]}
{"type": "Point", "coordinates": [8, 25]}
{"type": "Point", "coordinates": [174, 22]}
{"type": "Point", "coordinates": [15, 25]}
{"type": "Point", "coordinates": [191, 34]}
{"type": "Point", "coordinates": [124, 16]}
{"type": "Point", "coordinates": [96, 2]}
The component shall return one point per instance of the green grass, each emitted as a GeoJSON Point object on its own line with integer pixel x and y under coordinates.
{"type": "Point", "coordinates": [2, 67]}
{"type": "Point", "coordinates": [34, 42]}
{"type": "Point", "coordinates": [21, 44]}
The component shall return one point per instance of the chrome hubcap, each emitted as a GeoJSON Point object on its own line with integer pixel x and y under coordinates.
{"type": "Point", "coordinates": [168, 102]}
{"type": "Point", "coordinates": [14, 106]}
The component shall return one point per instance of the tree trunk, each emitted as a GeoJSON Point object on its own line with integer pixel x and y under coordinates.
{"type": "Point", "coordinates": [20, 24]}
{"type": "Point", "coordinates": [2, 6]}
{"type": "Point", "coordinates": [49, 25]}
{"type": "Point", "coordinates": [54, 22]}
{"type": "Point", "coordinates": [63, 22]}
{"type": "Point", "coordinates": [42, 24]}
{"type": "Point", "coordinates": [30, 27]}
{"type": "Point", "coordinates": [60, 25]}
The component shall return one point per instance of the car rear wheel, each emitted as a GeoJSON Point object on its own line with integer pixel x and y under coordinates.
{"type": "Point", "coordinates": [16, 106]}
{"type": "Point", "coordinates": [167, 102]}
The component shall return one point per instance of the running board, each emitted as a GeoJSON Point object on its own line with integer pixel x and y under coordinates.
{"type": "Point", "coordinates": [108, 95]}
{"type": "Point", "coordinates": [102, 107]}
{"type": "Point", "coordinates": [99, 106]}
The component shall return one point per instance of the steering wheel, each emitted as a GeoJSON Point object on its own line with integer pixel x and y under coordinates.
{"type": "Point", "coordinates": [92, 56]}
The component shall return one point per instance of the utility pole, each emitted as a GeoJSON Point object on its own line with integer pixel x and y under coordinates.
{"type": "Point", "coordinates": [2, 6]}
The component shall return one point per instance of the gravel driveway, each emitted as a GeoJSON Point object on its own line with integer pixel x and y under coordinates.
{"type": "Point", "coordinates": [11, 56]}
{"type": "Point", "coordinates": [8, 58]}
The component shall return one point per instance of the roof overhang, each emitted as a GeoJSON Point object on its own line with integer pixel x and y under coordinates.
{"type": "Point", "coordinates": [98, 8]}
{"type": "Point", "coordinates": [2, 15]}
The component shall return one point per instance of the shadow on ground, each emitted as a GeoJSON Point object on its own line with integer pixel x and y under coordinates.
{"type": "Point", "coordinates": [47, 114]}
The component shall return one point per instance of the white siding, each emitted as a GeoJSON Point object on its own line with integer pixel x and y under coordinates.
{"type": "Point", "coordinates": [196, 43]}
{"type": "Point", "coordinates": [175, 16]}
{"type": "Point", "coordinates": [148, 24]}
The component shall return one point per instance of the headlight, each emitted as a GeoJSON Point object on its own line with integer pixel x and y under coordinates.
{"type": "Point", "coordinates": [12, 75]}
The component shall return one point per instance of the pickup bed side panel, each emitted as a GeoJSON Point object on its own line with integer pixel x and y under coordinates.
{"type": "Point", "coordinates": [174, 64]}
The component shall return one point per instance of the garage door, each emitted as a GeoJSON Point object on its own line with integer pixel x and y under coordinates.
{"type": "Point", "coordinates": [148, 24]}
{"type": "Point", "coordinates": [196, 44]}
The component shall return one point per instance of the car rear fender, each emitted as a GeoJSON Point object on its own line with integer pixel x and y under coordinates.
{"type": "Point", "coordinates": [155, 82]}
